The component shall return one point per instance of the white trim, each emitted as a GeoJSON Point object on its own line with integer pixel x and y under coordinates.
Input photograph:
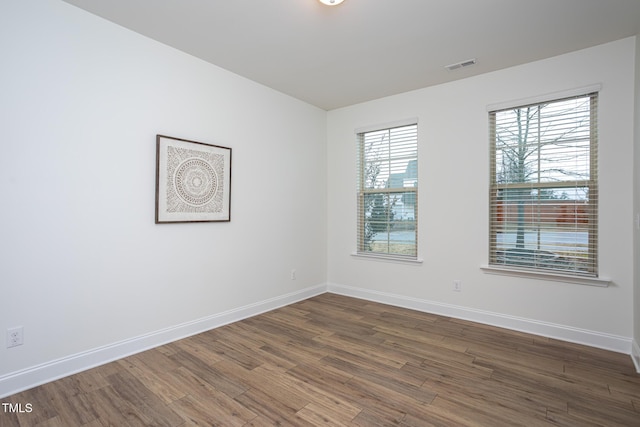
{"type": "Point", "coordinates": [585, 90]}
{"type": "Point", "coordinates": [388, 125]}
{"type": "Point", "coordinates": [16, 382]}
{"type": "Point", "coordinates": [635, 355]}
{"type": "Point", "coordinates": [387, 258]}
{"type": "Point", "coordinates": [546, 275]}
{"type": "Point", "coordinates": [602, 340]}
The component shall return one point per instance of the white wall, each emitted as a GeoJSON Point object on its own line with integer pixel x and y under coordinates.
{"type": "Point", "coordinates": [83, 267]}
{"type": "Point", "coordinates": [89, 276]}
{"type": "Point", "coordinates": [453, 199]}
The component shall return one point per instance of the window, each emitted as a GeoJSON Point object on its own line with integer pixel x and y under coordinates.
{"type": "Point", "coordinates": [543, 190]}
{"type": "Point", "coordinates": [388, 191]}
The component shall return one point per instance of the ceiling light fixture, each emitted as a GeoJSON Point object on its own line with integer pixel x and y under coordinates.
{"type": "Point", "coordinates": [331, 2]}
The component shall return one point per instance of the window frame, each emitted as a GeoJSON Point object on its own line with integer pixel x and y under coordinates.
{"type": "Point", "coordinates": [591, 276]}
{"type": "Point", "coordinates": [397, 192]}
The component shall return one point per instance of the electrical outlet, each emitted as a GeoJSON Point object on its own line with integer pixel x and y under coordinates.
{"type": "Point", "coordinates": [457, 286]}
{"type": "Point", "coordinates": [15, 336]}
{"type": "Point", "coordinates": [293, 275]}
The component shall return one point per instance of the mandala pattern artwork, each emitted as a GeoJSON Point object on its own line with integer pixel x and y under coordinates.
{"type": "Point", "coordinates": [194, 183]}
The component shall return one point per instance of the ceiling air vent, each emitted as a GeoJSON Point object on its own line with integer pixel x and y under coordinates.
{"type": "Point", "coordinates": [467, 63]}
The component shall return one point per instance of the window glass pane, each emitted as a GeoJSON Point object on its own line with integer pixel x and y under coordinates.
{"type": "Point", "coordinates": [544, 143]}
{"type": "Point", "coordinates": [395, 243]}
{"type": "Point", "coordinates": [544, 198]}
{"type": "Point", "coordinates": [387, 213]}
{"type": "Point", "coordinates": [544, 227]}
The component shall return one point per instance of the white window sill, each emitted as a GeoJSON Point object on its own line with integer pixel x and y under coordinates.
{"type": "Point", "coordinates": [540, 275]}
{"type": "Point", "coordinates": [387, 258]}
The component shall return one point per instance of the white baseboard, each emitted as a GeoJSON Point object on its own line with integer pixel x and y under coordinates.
{"type": "Point", "coordinates": [565, 333]}
{"type": "Point", "coordinates": [635, 355]}
{"type": "Point", "coordinates": [16, 382]}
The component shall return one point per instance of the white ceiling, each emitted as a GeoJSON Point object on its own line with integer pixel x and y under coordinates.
{"type": "Point", "coordinates": [366, 49]}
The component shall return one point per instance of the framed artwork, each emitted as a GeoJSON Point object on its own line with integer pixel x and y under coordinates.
{"type": "Point", "coordinates": [193, 181]}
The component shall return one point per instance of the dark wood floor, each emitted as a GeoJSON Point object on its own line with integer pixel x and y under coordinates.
{"type": "Point", "coordinates": [333, 360]}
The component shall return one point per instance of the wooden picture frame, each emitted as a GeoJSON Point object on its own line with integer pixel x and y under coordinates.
{"type": "Point", "coordinates": [193, 181]}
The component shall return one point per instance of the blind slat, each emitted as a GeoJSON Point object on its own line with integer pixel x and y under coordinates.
{"type": "Point", "coordinates": [543, 199]}
{"type": "Point", "coordinates": [387, 190]}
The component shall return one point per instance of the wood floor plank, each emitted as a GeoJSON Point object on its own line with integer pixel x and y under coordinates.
{"type": "Point", "coordinates": [333, 360]}
{"type": "Point", "coordinates": [145, 402]}
{"type": "Point", "coordinates": [564, 419]}
{"type": "Point", "coordinates": [363, 350]}
{"type": "Point", "coordinates": [374, 396]}
{"type": "Point", "coordinates": [428, 351]}
{"type": "Point", "coordinates": [605, 413]}
{"type": "Point", "coordinates": [196, 346]}
{"type": "Point", "coordinates": [208, 374]}
{"type": "Point", "coordinates": [494, 357]}
{"type": "Point", "coordinates": [505, 399]}
{"type": "Point", "coordinates": [483, 413]}
{"type": "Point", "coordinates": [238, 353]}
{"type": "Point", "coordinates": [270, 382]}
{"type": "Point", "coordinates": [72, 405]}
{"type": "Point", "coordinates": [206, 402]}
{"type": "Point", "coordinates": [323, 376]}
{"type": "Point", "coordinates": [40, 397]}
{"type": "Point", "coordinates": [211, 407]}
{"type": "Point", "coordinates": [158, 383]}
{"type": "Point", "coordinates": [197, 414]}
{"type": "Point", "coordinates": [53, 422]}
{"type": "Point", "coordinates": [532, 390]}
{"type": "Point", "coordinates": [271, 411]}
{"type": "Point", "coordinates": [334, 403]}
{"type": "Point", "coordinates": [378, 416]}
{"type": "Point", "coordinates": [113, 410]}
{"type": "Point", "coordinates": [326, 415]}
{"type": "Point", "coordinates": [297, 317]}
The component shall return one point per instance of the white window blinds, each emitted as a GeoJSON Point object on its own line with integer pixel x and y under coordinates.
{"type": "Point", "coordinates": [543, 189]}
{"type": "Point", "coordinates": [387, 191]}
